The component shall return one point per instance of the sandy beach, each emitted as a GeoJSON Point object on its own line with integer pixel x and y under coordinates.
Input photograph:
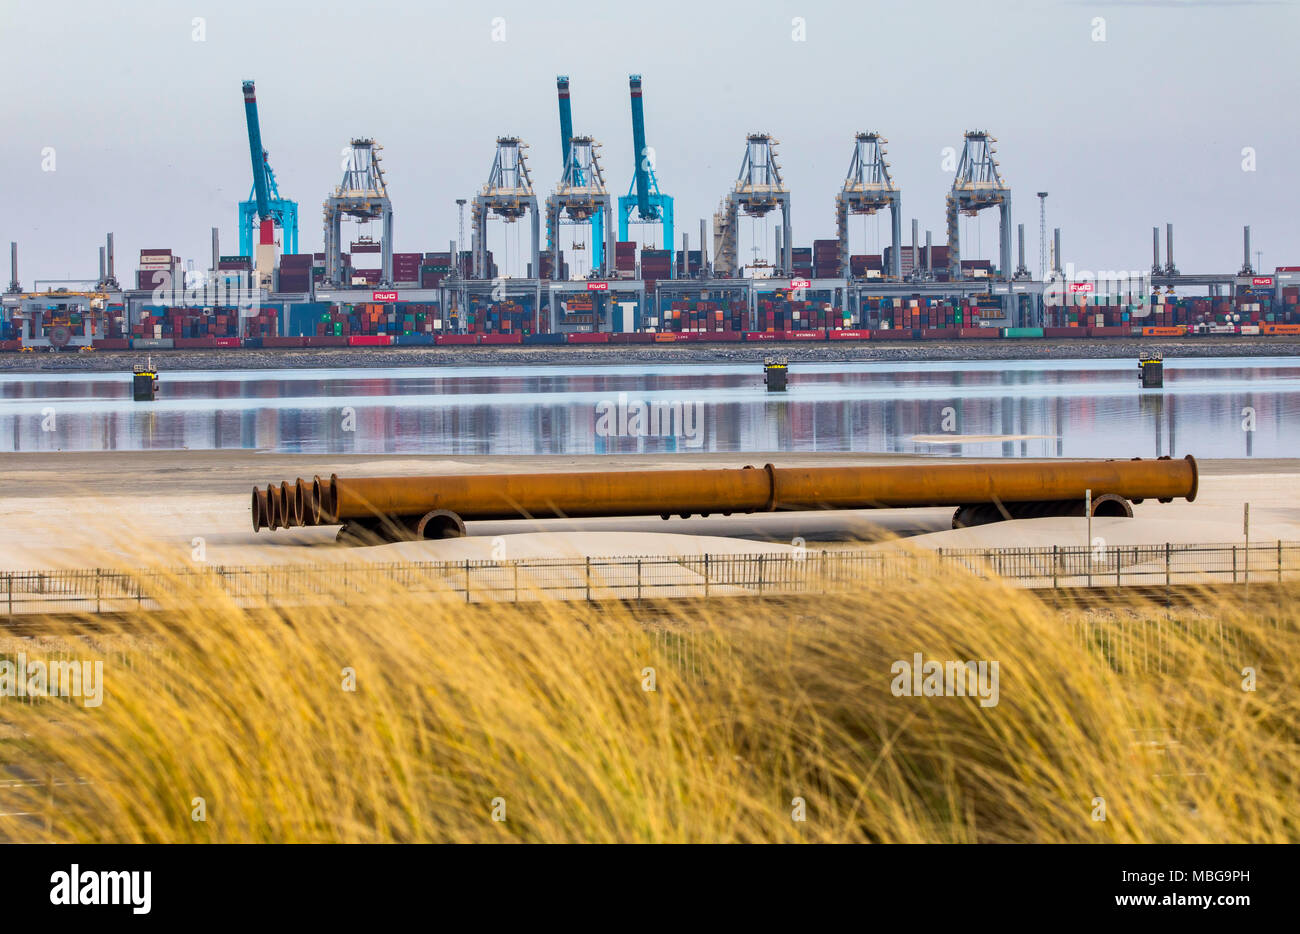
{"type": "Point", "coordinates": [96, 509]}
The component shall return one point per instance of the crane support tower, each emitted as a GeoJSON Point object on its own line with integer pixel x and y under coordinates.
{"type": "Point", "coordinates": [508, 194]}
{"type": "Point", "coordinates": [264, 208]}
{"type": "Point", "coordinates": [867, 189]}
{"type": "Point", "coordinates": [977, 186]}
{"type": "Point", "coordinates": [757, 192]}
{"type": "Point", "coordinates": [581, 198]}
{"type": "Point", "coordinates": [650, 205]}
{"type": "Point", "coordinates": [362, 194]}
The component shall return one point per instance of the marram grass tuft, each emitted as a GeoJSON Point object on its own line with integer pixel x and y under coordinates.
{"type": "Point", "coordinates": [412, 718]}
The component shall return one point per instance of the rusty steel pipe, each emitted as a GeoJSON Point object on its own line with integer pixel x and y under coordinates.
{"type": "Point", "coordinates": [690, 492]}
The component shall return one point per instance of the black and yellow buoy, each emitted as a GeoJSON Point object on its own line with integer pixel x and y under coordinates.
{"type": "Point", "coordinates": [144, 383]}
{"type": "Point", "coordinates": [775, 370]}
{"type": "Point", "coordinates": [1151, 370]}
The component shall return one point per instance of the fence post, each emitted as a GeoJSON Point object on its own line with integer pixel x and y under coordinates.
{"type": "Point", "coordinates": [1279, 566]}
{"type": "Point", "coordinates": [638, 580]}
{"type": "Point", "coordinates": [588, 572]}
{"type": "Point", "coordinates": [467, 580]}
{"type": "Point", "coordinates": [706, 574]}
{"type": "Point", "coordinates": [1234, 564]}
{"type": "Point", "coordinates": [97, 590]}
{"type": "Point", "coordinates": [1168, 575]}
{"type": "Point", "coordinates": [515, 565]}
{"type": "Point", "coordinates": [1056, 563]}
{"type": "Point", "coordinates": [760, 573]}
{"type": "Point", "coordinates": [1118, 582]}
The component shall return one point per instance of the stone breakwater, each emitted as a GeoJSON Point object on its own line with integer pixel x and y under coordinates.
{"type": "Point", "coordinates": [597, 354]}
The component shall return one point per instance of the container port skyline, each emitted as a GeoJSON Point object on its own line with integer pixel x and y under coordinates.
{"type": "Point", "coordinates": [162, 163]}
{"type": "Point", "coordinates": [758, 421]}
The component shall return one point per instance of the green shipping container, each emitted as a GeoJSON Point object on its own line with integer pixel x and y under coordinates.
{"type": "Point", "coordinates": [1022, 332]}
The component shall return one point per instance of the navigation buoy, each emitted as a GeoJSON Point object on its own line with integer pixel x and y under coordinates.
{"type": "Point", "coordinates": [144, 383]}
{"type": "Point", "coordinates": [1151, 370]}
{"type": "Point", "coordinates": [775, 370]}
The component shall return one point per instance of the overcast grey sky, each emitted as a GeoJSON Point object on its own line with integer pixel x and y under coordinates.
{"type": "Point", "coordinates": [1148, 126]}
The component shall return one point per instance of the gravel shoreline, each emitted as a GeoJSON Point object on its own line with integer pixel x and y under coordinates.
{"type": "Point", "coordinates": [611, 354]}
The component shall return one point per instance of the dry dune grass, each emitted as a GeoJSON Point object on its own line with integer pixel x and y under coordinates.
{"type": "Point", "coordinates": [541, 715]}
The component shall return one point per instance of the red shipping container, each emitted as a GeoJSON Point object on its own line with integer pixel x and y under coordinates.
{"type": "Point", "coordinates": [587, 337]}
{"type": "Point", "coordinates": [807, 335]}
{"type": "Point", "coordinates": [849, 334]}
{"type": "Point", "coordinates": [760, 335]}
{"type": "Point", "coordinates": [457, 339]}
{"type": "Point", "coordinates": [515, 338]}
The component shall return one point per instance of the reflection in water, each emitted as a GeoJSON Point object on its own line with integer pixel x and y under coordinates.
{"type": "Point", "coordinates": [1076, 408]}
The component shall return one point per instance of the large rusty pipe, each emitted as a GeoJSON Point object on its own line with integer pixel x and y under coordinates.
{"type": "Point", "coordinates": [743, 490]}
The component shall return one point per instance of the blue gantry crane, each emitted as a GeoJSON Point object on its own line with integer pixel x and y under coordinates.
{"type": "Point", "coordinates": [264, 207]}
{"type": "Point", "coordinates": [650, 205]}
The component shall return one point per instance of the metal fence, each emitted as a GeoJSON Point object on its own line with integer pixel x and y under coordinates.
{"type": "Point", "coordinates": [644, 578]}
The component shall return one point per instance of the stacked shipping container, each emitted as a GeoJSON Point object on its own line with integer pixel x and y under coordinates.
{"type": "Point", "coordinates": [296, 272]}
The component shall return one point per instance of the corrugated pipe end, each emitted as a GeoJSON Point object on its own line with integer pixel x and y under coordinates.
{"type": "Point", "coordinates": [272, 509]}
{"type": "Point", "coordinates": [259, 509]}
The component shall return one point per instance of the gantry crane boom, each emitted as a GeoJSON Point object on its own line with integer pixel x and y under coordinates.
{"type": "Point", "coordinates": [566, 117]}
{"type": "Point", "coordinates": [640, 155]}
{"type": "Point", "coordinates": [643, 195]}
{"type": "Point", "coordinates": [264, 206]}
{"type": "Point", "coordinates": [256, 152]}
